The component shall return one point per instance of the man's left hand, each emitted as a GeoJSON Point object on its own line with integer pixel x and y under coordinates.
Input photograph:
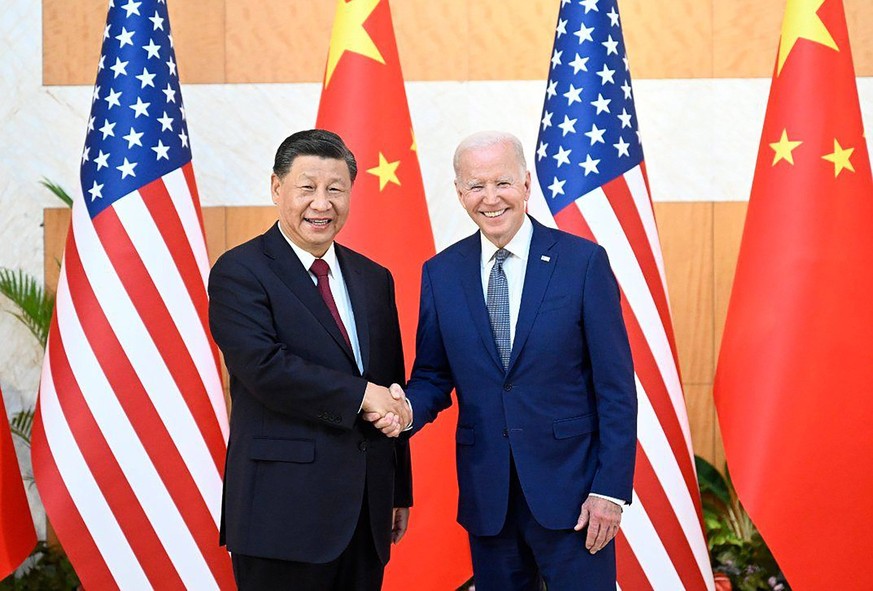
{"type": "Point", "coordinates": [400, 520]}
{"type": "Point", "coordinates": [602, 518]}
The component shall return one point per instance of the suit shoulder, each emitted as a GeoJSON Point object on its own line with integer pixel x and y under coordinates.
{"type": "Point", "coordinates": [574, 242]}
{"type": "Point", "coordinates": [360, 261]}
{"type": "Point", "coordinates": [459, 248]}
{"type": "Point", "coordinates": [242, 252]}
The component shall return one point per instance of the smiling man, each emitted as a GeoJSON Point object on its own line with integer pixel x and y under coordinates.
{"type": "Point", "coordinates": [525, 323]}
{"type": "Point", "coordinates": [313, 494]}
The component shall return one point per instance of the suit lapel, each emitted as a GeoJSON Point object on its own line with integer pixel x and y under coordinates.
{"type": "Point", "coordinates": [356, 285]}
{"type": "Point", "coordinates": [541, 264]}
{"type": "Point", "coordinates": [471, 279]}
{"type": "Point", "coordinates": [289, 269]}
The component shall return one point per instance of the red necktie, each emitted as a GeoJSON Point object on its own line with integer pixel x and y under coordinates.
{"type": "Point", "coordinates": [321, 269]}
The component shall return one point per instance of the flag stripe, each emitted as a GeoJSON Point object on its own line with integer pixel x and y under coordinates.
{"type": "Point", "coordinates": [646, 545]}
{"type": "Point", "coordinates": [140, 410]}
{"type": "Point", "coordinates": [142, 353]}
{"type": "Point", "coordinates": [665, 418]}
{"type": "Point", "coordinates": [128, 264]}
{"type": "Point", "coordinates": [677, 540]}
{"type": "Point", "coordinates": [136, 464]}
{"type": "Point", "coordinates": [115, 489]}
{"type": "Point", "coordinates": [629, 217]}
{"type": "Point", "coordinates": [109, 540]}
{"type": "Point", "coordinates": [630, 573]}
{"type": "Point", "coordinates": [183, 190]}
{"type": "Point", "coordinates": [68, 522]}
{"type": "Point", "coordinates": [175, 276]}
{"type": "Point", "coordinates": [608, 232]}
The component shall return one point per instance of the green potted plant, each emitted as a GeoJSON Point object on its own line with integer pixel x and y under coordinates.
{"type": "Point", "coordinates": [736, 548]}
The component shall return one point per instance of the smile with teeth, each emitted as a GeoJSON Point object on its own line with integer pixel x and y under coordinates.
{"type": "Point", "coordinates": [494, 214]}
{"type": "Point", "coordinates": [320, 222]}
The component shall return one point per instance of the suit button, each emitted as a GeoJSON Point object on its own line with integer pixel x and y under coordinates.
{"type": "Point", "coordinates": [506, 432]}
{"type": "Point", "coordinates": [362, 446]}
{"type": "Point", "coordinates": [507, 387]}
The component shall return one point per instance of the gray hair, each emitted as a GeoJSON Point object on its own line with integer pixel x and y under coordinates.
{"type": "Point", "coordinates": [485, 139]}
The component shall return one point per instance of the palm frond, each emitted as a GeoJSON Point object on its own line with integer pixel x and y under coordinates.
{"type": "Point", "coordinates": [34, 304]}
{"type": "Point", "coordinates": [59, 191]}
{"type": "Point", "coordinates": [21, 424]}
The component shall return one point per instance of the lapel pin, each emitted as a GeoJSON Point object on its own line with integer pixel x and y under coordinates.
{"type": "Point", "coordinates": [545, 259]}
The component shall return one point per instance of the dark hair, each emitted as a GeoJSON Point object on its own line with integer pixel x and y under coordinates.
{"type": "Point", "coordinates": [313, 142]}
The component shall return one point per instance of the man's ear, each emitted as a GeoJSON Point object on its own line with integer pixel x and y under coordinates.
{"type": "Point", "coordinates": [275, 184]}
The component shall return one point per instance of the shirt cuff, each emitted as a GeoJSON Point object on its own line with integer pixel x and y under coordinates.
{"type": "Point", "coordinates": [409, 426]}
{"type": "Point", "coordinates": [618, 502]}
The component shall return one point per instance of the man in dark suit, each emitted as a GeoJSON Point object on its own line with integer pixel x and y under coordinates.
{"type": "Point", "coordinates": [525, 323]}
{"type": "Point", "coordinates": [312, 494]}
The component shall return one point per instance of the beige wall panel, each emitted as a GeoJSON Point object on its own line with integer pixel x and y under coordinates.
{"type": "Point", "coordinates": [72, 33]}
{"type": "Point", "coordinates": [668, 38]}
{"type": "Point", "coordinates": [72, 37]}
{"type": "Point", "coordinates": [747, 32]}
{"type": "Point", "coordinates": [686, 241]}
{"type": "Point", "coordinates": [56, 223]}
{"type": "Point", "coordinates": [244, 223]}
{"type": "Point", "coordinates": [433, 38]}
{"type": "Point", "coordinates": [214, 224]}
{"type": "Point", "coordinates": [278, 40]}
{"type": "Point", "coordinates": [199, 40]}
{"type": "Point", "coordinates": [701, 418]}
{"type": "Point", "coordinates": [728, 220]}
{"type": "Point", "coordinates": [510, 39]}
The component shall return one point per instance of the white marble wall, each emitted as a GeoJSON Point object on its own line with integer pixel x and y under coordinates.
{"type": "Point", "coordinates": [700, 139]}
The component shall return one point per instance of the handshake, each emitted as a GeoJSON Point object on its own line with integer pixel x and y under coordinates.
{"type": "Point", "coordinates": [387, 409]}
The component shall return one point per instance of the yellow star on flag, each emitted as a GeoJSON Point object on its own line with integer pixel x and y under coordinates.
{"type": "Point", "coordinates": [841, 158]}
{"type": "Point", "coordinates": [784, 148]}
{"type": "Point", "coordinates": [386, 171]}
{"type": "Point", "coordinates": [349, 34]}
{"type": "Point", "coordinates": [802, 22]}
{"type": "Point", "coordinates": [414, 146]}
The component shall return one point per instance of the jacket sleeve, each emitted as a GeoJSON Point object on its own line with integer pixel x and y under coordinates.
{"type": "Point", "coordinates": [241, 321]}
{"type": "Point", "coordinates": [613, 375]}
{"type": "Point", "coordinates": [402, 455]}
{"type": "Point", "coordinates": [430, 386]}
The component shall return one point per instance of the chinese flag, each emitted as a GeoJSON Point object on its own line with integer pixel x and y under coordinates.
{"type": "Point", "coordinates": [364, 101]}
{"type": "Point", "coordinates": [17, 536]}
{"type": "Point", "coordinates": [795, 373]}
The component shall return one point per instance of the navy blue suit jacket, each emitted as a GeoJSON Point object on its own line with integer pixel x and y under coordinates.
{"type": "Point", "coordinates": [565, 407]}
{"type": "Point", "coordinates": [300, 457]}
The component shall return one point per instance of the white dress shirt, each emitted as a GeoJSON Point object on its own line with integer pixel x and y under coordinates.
{"type": "Point", "coordinates": [337, 288]}
{"type": "Point", "coordinates": [515, 267]}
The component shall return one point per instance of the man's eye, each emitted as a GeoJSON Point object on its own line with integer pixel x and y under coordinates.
{"type": "Point", "coordinates": [504, 184]}
{"type": "Point", "coordinates": [476, 188]}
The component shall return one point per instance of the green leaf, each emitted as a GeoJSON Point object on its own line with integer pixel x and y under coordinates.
{"type": "Point", "coordinates": [711, 481]}
{"type": "Point", "coordinates": [34, 305]}
{"type": "Point", "coordinates": [21, 424]}
{"type": "Point", "coordinates": [58, 191]}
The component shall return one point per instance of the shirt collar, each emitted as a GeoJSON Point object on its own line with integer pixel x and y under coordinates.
{"type": "Point", "coordinates": [306, 258]}
{"type": "Point", "coordinates": [519, 246]}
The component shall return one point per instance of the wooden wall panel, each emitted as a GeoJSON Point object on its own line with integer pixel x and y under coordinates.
{"type": "Point", "coordinates": [700, 243]}
{"type": "Point", "coordinates": [728, 220]}
{"type": "Point", "coordinates": [73, 34]}
{"type": "Point", "coordinates": [668, 38]}
{"type": "Point", "coordinates": [56, 222]}
{"type": "Point", "coordinates": [244, 223]}
{"type": "Point", "coordinates": [279, 41]}
{"type": "Point", "coordinates": [215, 227]}
{"type": "Point", "coordinates": [686, 241]}
{"type": "Point", "coordinates": [746, 36]}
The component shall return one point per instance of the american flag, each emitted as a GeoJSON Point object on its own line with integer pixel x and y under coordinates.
{"type": "Point", "coordinates": [589, 163]}
{"type": "Point", "coordinates": [131, 429]}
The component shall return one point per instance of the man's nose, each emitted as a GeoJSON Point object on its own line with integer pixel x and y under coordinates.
{"type": "Point", "coordinates": [320, 202]}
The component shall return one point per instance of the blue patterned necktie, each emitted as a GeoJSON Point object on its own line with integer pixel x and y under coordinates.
{"type": "Point", "coordinates": [498, 306]}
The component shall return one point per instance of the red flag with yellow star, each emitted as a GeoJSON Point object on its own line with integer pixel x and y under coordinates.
{"type": "Point", "coordinates": [364, 101]}
{"type": "Point", "coordinates": [795, 372]}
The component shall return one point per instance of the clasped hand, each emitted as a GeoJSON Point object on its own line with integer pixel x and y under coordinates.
{"type": "Point", "coordinates": [387, 409]}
